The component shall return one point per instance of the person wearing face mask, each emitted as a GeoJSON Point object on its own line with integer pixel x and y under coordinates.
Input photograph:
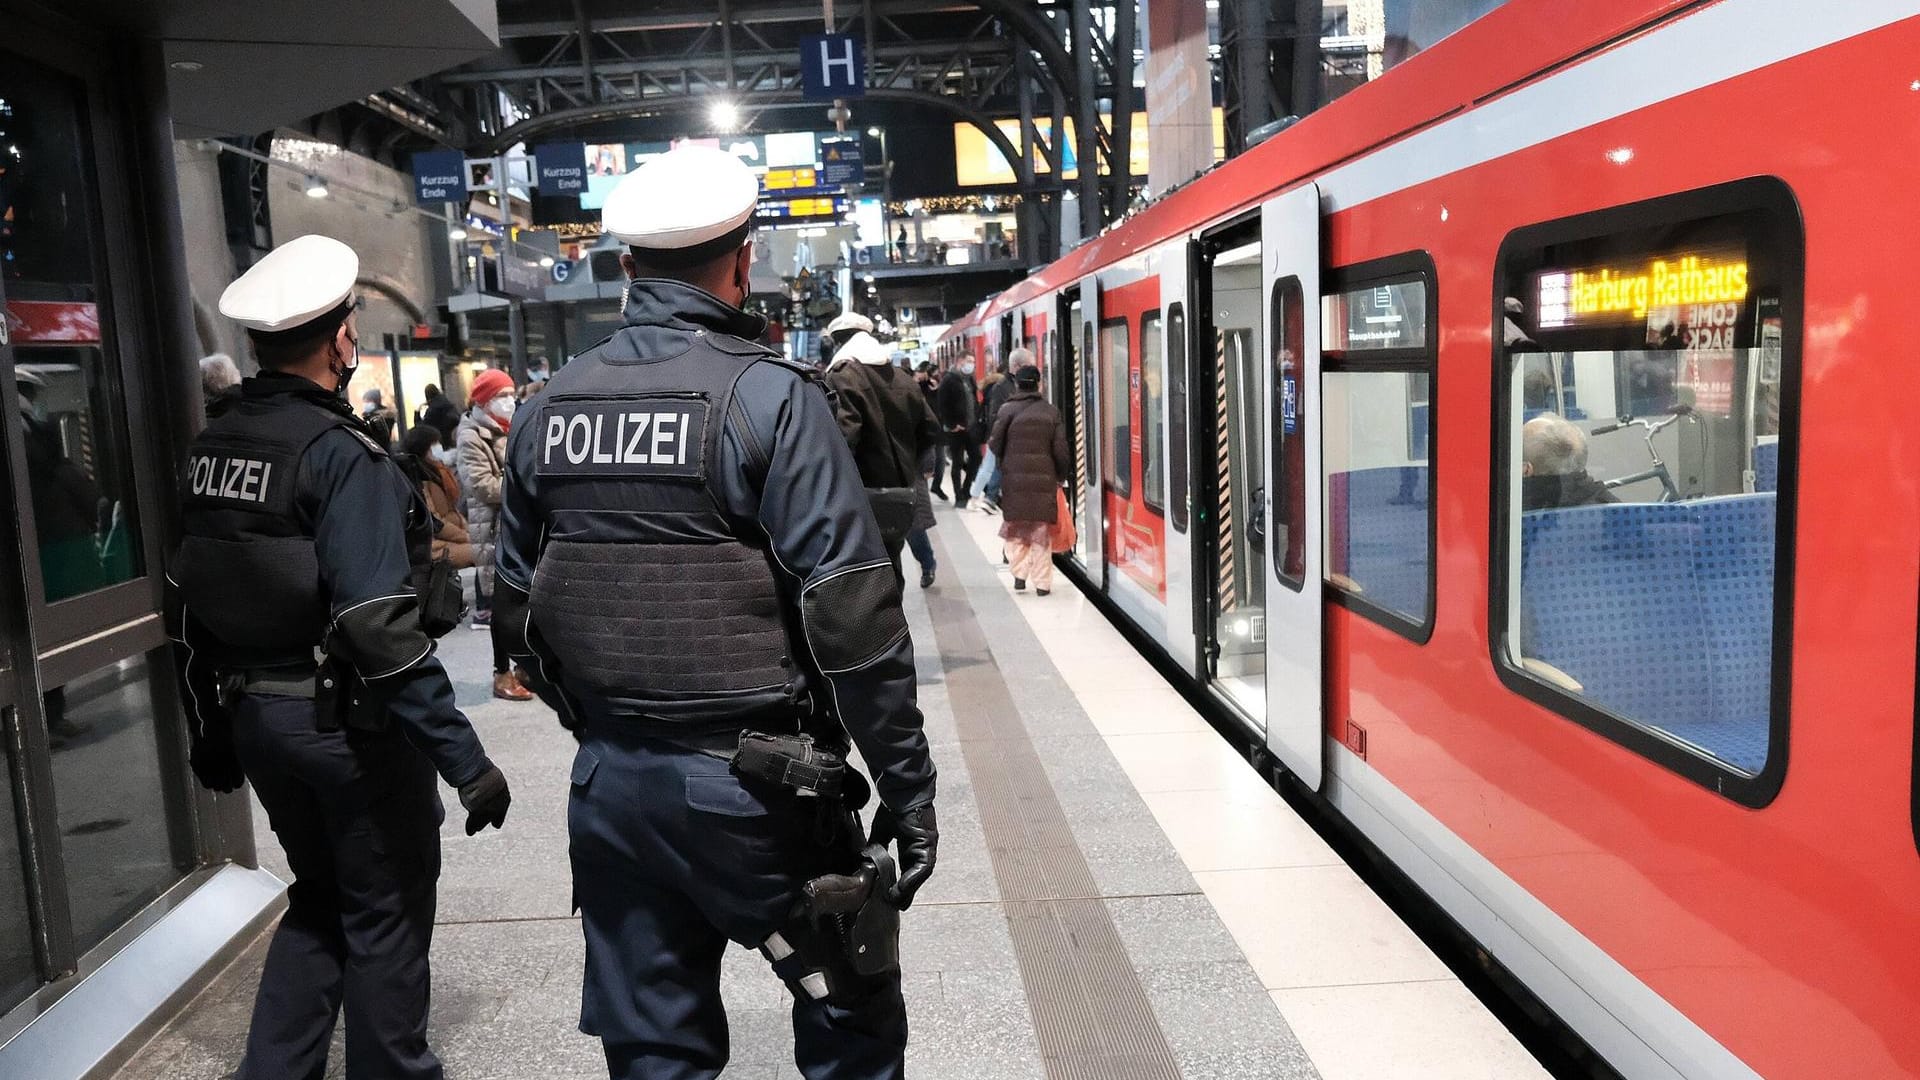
{"type": "Point", "coordinates": [481, 449]}
{"type": "Point", "coordinates": [697, 583]}
{"type": "Point", "coordinates": [303, 608]}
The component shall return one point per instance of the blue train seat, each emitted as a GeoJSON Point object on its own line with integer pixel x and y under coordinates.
{"type": "Point", "coordinates": [1379, 538]}
{"type": "Point", "coordinates": [1766, 467]}
{"type": "Point", "coordinates": [1662, 612]}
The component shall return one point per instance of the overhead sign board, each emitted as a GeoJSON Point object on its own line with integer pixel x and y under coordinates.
{"type": "Point", "coordinates": [841, 160]}
{"type": "Point", "coordinates": [829, 207]}
{"type": "Point", "coordinates": [832, 66]}
{"type": "Point", "coordinates": [560, 168]}
{"type": "Point", "coordinates": [522, 277]}
{"type": "Point", "coordinates": [789, 179]}
{"type": "Point", "coordinates": [439, 176]}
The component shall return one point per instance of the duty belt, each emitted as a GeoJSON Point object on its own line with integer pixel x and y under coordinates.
{"type": "Point", "coordinates": [794, 762]}
{"type": "Point", "coordinates": [296, 681]}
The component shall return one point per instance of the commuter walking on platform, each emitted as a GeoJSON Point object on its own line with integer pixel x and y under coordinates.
{"type": "Point", "coordinates": [888, 426]}
{"type": "Point", "coordinates": [302, 539]}
{"type": "Point", "coordinates": [688, 549]}
{"type": "Point", "coordinates": [483, 464]}
{"type": "Point", "coordinates": [441, 489]}
{"type": "Point", "coordinates": [958, 406]}
{"type": "Point", "coordinates": [934, 464]}
{"type": "Point", "coordinates": [1031, 443]}
{"type": "Point", "coordinates": [999, 389]}
{"type": "Point", "coordinates": [442, 413]}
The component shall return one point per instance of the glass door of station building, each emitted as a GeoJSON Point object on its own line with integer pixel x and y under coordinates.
{"type": "Point", "coordinates": [98, 818]}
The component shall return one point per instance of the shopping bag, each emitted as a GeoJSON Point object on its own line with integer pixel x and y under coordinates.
{"type": "Point", "coordinates": [1064, 538]}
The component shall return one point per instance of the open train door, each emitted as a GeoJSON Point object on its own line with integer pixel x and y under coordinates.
{"type": "Point", "coordinates": [1090, 514]}
{"type": "Point", "coordinates": [1290, 239]}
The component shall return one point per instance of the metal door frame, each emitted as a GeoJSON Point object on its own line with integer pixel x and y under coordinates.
{"type": "Point", "coordinates": [1296, 673]}
{"type": "Point", "coordinates": [1093, 524]}
{"type": "Point", "coordinates": [1176, 276]}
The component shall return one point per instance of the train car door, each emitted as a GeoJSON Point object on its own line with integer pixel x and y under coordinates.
{"type": "Point", "coordinates": [1177, 554]}
{"type": "Point", "coordinates": [1290, 235]}
{"type": "Point", "coordinates": [1091, 520]}
{"type": "Point", "coordinates": [1229, 524]}
{"type": "Point", "coordinates": [1062, 380]}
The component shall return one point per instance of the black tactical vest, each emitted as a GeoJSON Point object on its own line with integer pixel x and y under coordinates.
{"type": "Point", "coordinates": [246, 565]}
{"type": "Point", "coordinates": [657, 605]}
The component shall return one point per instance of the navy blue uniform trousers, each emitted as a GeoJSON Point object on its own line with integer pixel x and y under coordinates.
{"type": "Point", "coordinates": [359, 815]}
{"type": "Point", "coordinates": [673, 856]}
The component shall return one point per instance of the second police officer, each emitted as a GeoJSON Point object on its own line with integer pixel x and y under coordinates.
{"type": "Point", "coordinates": [303, 607]}
{"type": "Point", "coordinates": [690, 559]}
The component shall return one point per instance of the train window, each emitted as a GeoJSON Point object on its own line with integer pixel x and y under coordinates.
{"type": "Point", "coordinates": [1289, 457]}
{"type": "Point", "coordinates": [1177, 413]}
{"type": "Point", "coordinates": [1641, 566]}
{"type": "Point", "coordinates": [1377, 359]}
{"type": "Point", "coordinates": [1153, 414]}
{"type": "Point", "coordinates": [1116, 412]}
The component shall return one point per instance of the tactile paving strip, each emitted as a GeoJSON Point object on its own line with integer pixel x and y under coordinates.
{"type": "Point", "coordinates": [1090, 1013]}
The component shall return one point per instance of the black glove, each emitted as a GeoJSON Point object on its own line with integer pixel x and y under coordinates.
{"type": "Point", "coordinates": [215, 764]}
{"type": "Point", "coordinates": [919, 839]}
{"type": "Point", "coordinates": [486, 799]}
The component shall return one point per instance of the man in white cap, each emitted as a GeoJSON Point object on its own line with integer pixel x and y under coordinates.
{"type": "Point", "coordinates": [703, 595]}
{"type": "Point", "coordinates": [304, 608]}
{"type": "Point", "coordinates": [844, 328]}
{"type": "Point", "coordinates": [889, 427]}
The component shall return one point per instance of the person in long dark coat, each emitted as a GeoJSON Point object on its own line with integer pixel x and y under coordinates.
{"type": "Point", "coordinates": [1031, 444]}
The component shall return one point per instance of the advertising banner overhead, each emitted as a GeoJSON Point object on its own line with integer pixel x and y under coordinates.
{"type": "Point", "coordinates": [1179, 91]}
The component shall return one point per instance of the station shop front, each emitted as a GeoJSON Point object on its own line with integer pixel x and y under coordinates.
{"type": "Point", "coordinates": [121, 881]}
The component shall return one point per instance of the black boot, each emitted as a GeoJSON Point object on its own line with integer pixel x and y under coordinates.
{"type": "Point", "coordinates": [1019, 584]}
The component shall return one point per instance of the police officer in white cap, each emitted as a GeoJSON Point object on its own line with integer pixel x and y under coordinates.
{"type": "Point", "coordinates": [304, 608]}
{"type": "Point", "coordinates": [704, 596]}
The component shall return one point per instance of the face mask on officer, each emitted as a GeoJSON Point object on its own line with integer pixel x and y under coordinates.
{"type": "Point", "coordinates": [346, 357]}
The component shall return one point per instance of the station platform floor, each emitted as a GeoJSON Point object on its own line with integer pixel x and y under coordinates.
{"type": "Point", "coordinates": [1119, 896]}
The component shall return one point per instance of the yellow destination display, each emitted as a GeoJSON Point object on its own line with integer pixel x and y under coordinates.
{"type": "Point", "coordinates": [1588, 295]}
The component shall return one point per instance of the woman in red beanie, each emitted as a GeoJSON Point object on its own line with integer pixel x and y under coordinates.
{"type": "Point", "coordinates": [482, 453]}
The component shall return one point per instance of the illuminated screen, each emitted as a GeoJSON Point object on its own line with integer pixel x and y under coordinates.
{"type": "Point", "coordinates": [1685, 299]}
{"type": "Point", "coordinates": [978, 163]}
{"type": "Point", "coordinates": [785, 160]}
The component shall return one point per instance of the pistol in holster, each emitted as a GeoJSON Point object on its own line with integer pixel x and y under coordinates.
{"type": "Point", "coordinates": [842, 939]}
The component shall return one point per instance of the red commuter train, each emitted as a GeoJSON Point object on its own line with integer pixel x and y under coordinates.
{"type": "Point", "coordinates": [1520, 449]}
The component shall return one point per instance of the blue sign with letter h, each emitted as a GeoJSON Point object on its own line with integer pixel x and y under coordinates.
{"type": "Point", "coordinates": [832, 66]}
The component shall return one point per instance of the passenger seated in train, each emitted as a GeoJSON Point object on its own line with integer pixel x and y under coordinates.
{"type": "Point", "coordinates": [1553, 467]}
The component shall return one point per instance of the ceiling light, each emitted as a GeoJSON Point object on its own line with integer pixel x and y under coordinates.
{"type": "Point", "coordinates": [316, 188]}
{"type": "Point", "coordinates": [874, 131]}
{"type": "Point", "coordinates": [1621, 155]}
{"type": "Point", "coordinates": [724, 115]}
{"type": "Point", "coordinates": [456, 233]}
{"type": "Point", "coordinates": [546, 261]}
{"type": "Point", "coordinates": [186, 65]}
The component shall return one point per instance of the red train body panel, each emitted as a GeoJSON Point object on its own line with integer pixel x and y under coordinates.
{"type": "Point", "coordinates": [1684, 928]}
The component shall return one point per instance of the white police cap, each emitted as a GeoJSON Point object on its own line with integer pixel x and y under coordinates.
{"type": "Point", "coordinates": [850, 320]}
{"type": "Point", "coordinates": [297, 283]}
{"type": "Point", "coordinates": [685, 201]}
